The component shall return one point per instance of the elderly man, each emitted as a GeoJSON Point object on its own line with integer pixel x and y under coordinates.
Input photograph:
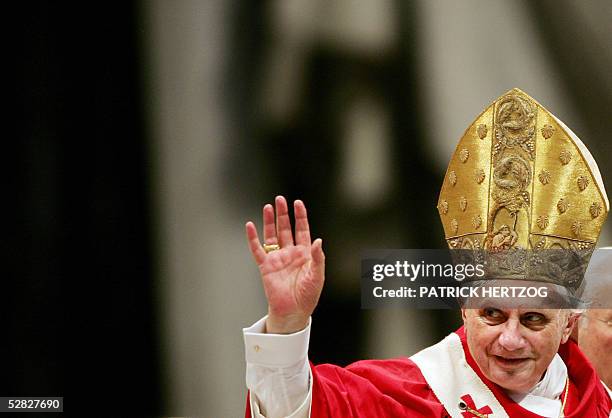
{"type": "Point", "coordinates": [505, 361]}
{"type": "Point", "coordinates": [594, 330]}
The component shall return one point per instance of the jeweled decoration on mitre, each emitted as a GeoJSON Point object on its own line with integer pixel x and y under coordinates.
{"type": "Point", "coordinates": [537, 186]}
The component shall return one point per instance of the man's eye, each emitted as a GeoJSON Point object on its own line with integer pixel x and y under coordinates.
{"type": "Point", "coordinates": [493, 314]}
{"type": "Point", "coordinates": [533, 318]}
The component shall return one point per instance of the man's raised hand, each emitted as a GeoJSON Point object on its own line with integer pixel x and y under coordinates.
{"type": "Point", "coordinates": [293, 275]}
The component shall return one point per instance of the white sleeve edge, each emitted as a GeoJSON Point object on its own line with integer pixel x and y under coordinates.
{"type": "Point", "coordinates": [275, 350]}
{"type": "Point", "coordinates": [303, 410]}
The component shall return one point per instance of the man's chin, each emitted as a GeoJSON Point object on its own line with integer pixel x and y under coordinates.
{"type": "Point", "coordinates": [517, 381]}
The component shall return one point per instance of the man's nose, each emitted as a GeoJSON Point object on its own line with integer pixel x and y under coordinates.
{"type": "Point", "coordinates": [510, 338]}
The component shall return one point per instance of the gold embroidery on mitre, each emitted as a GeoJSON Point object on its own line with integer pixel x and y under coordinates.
{"type": "Point", "coordinates": [565, 157]}
{"type": "Point", "coordinates": [544, 176]}
{"type": "Point", "coordinates": [541, 193]}
{"type": "Point", "coordinates": [452, 178]}
{"type": "Point", "coordinates": [542, 222]}
{"type": "Point", "coordinates": [595, 209]}
{"type": "Point", "coordinates": [562, 205]}
{"type": "Point", "coordinates": [514, 125]}
{"type": "Point", "coordinates": [547, 131]}
{"type": "Point", "coordinates": [584, 245]}
{"type": "Point", "coordinates": [479, 176]}
{"type": "Point", "coordinates": [482, 131]}
{"type": "Point", "coordinates": [454, 225]}
{"type": "Point", "coordinates": [583, 182]}
{"type": "Point", "coordinates": [443, 207]}
{"type": "Point", "coordinates": [577, 228]}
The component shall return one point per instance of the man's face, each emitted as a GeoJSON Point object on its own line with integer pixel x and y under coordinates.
{"type": "Point", "coordinates": [513, 347]}
{"type": "Point", "coordinates": [595, 340]}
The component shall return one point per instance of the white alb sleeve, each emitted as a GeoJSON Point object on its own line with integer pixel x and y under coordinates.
{"type": "Point", "coordinates": [277, 372]}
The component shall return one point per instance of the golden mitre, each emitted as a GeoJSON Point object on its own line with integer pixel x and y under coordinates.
{"type": "Point", "coordinates": [522, 180]}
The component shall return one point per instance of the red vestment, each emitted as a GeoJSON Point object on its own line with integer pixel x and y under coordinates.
{"type": "Point", "coordinates": [397, 388]}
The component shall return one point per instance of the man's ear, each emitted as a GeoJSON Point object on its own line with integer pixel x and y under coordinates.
{"type": "Point", "coordinates": [574, 334]}
{"type": "Point", "coordinates": [571, 328]}
{"type": "Point", "coordinates": [463, 316]}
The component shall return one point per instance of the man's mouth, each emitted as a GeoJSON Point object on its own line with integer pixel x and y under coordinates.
{"type": "Point", "coordinates": [510, 362]}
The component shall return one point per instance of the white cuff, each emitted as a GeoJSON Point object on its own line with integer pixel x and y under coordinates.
{"type": "Point", "coordinates": [303, 410]}
{"type": "Point", "coordinates": [275, 350]}
{"type": "Point", "coordinates": [277, 372]}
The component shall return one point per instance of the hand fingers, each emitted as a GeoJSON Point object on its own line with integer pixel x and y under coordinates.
{"type": "Point", "coordinates": [254, 245]}
{"type": "Point", "coordinates": [269, 226]}
{"type": "Point", "coordinates": [302, 230]}
{"type": "Point", "coordinates": [283, 224]}
{"type": "Point", "coordinates": [318, 260]}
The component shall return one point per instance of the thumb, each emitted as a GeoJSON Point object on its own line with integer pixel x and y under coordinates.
{"type": "Point", "coordinates": [318, 260]}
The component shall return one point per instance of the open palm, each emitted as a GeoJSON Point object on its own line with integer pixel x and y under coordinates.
{"type": "Point", "coordinates": [293, 275]}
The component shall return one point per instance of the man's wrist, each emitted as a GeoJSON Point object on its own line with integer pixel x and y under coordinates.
{"type": "Point", "coordinates": [286, 325]}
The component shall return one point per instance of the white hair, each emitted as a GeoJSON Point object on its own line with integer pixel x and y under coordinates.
{"type": "Point", "coordinates": [598, 282]}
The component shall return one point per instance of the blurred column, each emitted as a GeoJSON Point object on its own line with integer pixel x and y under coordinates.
{"type": "Point", "coordinates": [209, 288]}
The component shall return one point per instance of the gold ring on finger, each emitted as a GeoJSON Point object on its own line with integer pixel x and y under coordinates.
{"type": "Point", "coordinates": [268, 248]}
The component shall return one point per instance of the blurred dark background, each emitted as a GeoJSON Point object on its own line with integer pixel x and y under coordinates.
{"type": "Point", "coordinates": [79, 315]}
{"type": "Point", "coordinates": [145, 134]}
